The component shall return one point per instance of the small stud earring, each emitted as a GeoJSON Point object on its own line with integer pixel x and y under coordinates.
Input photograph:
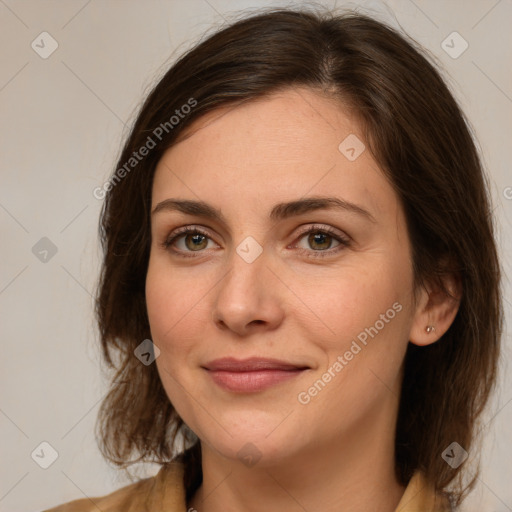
{"type": "Point", "coordinates": [430, 328]}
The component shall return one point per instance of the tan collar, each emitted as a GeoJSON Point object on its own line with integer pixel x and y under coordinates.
{"type": "Point", "coordinates": [168, 491]}
{"type": "Point", "coordinates": [420, 496]}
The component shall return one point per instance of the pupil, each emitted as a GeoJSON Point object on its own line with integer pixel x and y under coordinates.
{"type": "Point", "coordinates": [316, 239]}
{"type": "Point", "coordinates": [197, 240]}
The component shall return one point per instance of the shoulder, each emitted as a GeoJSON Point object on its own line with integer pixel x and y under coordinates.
{"type": "Point", "coordinates": [164, 491]}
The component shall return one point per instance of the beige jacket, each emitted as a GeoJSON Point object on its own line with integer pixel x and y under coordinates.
{"type": "Point", "coordinates": [165, 492]}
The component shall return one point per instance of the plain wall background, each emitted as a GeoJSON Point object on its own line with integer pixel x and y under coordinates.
{"type": "Point", "coordinates": [62, 123]}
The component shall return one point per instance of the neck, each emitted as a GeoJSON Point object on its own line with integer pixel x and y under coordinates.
{"type": "Point", "coordinates": [350, 474]}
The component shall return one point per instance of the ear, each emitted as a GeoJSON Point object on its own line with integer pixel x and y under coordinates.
{"type": "Point", "coordinates": [436, 309]}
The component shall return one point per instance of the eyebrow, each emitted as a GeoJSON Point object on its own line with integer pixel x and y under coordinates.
{"type": "Point", "coordinates": [280, 211]}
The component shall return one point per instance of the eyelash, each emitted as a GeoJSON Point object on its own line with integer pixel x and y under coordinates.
{"type": "Point", "coordinates": [344, 241]}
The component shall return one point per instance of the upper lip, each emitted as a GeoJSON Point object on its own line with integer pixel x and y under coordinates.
{"type": "Point", "coordinates": [252, 364]}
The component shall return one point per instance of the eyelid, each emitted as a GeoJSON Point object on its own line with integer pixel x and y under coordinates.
{"type": "Point", "coordinates": [325, 229]}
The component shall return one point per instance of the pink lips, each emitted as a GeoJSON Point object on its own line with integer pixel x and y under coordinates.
{"type": "Point", "coordinates": [251, 375]}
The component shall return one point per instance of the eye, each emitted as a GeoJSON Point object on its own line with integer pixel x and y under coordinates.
{"type": "Point", "coordinates": [320, 240]}
{"type": "Point", "coordinates": [192, 239]}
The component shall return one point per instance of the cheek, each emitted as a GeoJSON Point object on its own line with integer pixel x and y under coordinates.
{"type": "Point", "coordinates": [364, 316]}
{"type": "Point", "coordinates": [176, 305]}
{"type": "Point", "coordinates": [347, 304]}
{"type": "Point", "coordinates": [175, 300]}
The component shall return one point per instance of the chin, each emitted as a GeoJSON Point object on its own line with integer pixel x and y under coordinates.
{"type": "Point", "coordinates": [251, 451]}
{"type": "Point", "coordinates": [255, 438]}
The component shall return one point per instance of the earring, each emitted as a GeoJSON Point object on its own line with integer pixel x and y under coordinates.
{"type": "Point", "coordinates": [430, 328]}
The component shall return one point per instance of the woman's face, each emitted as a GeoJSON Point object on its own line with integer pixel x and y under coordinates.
{"type": "Point", "coordinates": [317, 296]}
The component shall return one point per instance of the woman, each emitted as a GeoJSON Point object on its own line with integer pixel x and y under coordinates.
{"type": "Point", "coordinates": [300, 293]}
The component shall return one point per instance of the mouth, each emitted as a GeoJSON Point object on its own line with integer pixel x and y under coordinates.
{"type": "Point", "coordinates": [251, 375]}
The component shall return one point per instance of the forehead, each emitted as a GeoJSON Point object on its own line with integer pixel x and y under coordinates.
{"type": "Point", "coordinates": [290, 119]}
{"type": "Point", "coordinates": [280, 147]}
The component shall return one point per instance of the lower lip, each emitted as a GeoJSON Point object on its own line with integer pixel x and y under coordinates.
{"type": "Point", "coordinates": [251, 382]}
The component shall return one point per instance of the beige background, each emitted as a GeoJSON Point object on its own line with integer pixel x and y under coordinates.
{"type": "Point", "coordinates": [62, 121]}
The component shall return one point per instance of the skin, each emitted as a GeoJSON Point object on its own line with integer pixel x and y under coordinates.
{"type": "Point", "coordinates": [338, 449]}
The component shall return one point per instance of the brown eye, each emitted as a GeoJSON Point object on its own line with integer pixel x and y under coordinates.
{"type": "Point", "coordinates": [195, 242]}
{"type": "Point", "coordinates": [319, 240]}
{"type": "Point", "coordinates": [187, 240]}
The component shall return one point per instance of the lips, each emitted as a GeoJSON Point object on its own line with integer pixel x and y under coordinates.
{"type": "Point", "coordinates": [230, 364]}
{"type": "Point", "coordinates": [251, 375]}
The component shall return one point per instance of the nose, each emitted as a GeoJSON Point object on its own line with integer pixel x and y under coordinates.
{"type": "Point", "coordinates": [248, 298]}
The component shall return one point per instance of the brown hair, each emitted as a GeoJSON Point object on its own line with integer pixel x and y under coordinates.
{"type": "Point", "coordinates": [421, 140]}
